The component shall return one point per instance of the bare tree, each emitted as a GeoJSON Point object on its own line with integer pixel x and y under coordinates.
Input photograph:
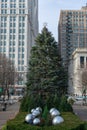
{"type": "Point", "coordinates": [7, 74]}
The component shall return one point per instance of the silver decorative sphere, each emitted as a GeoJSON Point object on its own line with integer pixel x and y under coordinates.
{"type": "Point", "coordinates": [39, 109]}
{"type": "Point", "coordinates": [55, 113]}
{"type": "Point", "coordinates": [57, 120]}
{"type": "Point", "coordinates": [36, 113]}
{"type": "Point", "coordinates": [36, 121]}
{"type": "Point", "coordinates": [52, 109]}
{"type": "Point", "coordinates": [32, 110]}
{"type": "Point", "coordinates": [28, 118]}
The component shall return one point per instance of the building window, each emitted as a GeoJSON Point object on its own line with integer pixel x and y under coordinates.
{"type": "Point", "coordinates": [10, 30]}
{"type": "Point", "coordinates": [21, 30]}
{"type": "Point", "coordinates": [14, 31]}
{"type": "Point", "coordinates": [4, 37]}
{"type": "Point", "coordinates": [21, 5]}
{"type": "Point", "coordinates": [19, 68]}
{"type": "Point", "coordinates": [10, 49]}
{"type": "Point", "coordinates": [14, 24]}
{"type": "Point", "coordinates": [86, 62]}
{"type": "Point", "coordinates": [3, 18]}
{"type": "Point", "coordinates": [3, 24]}
{"type": "Point", "coordinates": [21, 0]}
{"type": "Point", "coordinates": [22, 36]}
{"type": "Point", "coordinates": [0, 49]}
{"type": "Point", "coordinates": [4, 43]}
{"type": "Point", "coordinates": [22, 43]}
{"type": "Point", "coordinates": [13, 43]}
{"type": "Point", "coordinates": [19, 49]}
{"type": "Point", "coordinates": [11, 37]}
{"type": "Point", "coordinates": [10, 24]}
{"type": "Point", "coordinates": [3, 11]}
{"type": "Point", "coordinates": [22, 56]}
{"type": "Point", "coordinates": [82, 61]}
{"type": "Point", "coordinates": [12, 55]}
{"type": "Point", "coordinates": [4, 49]}
{"type": "Point", "coordinates": [21, 11]}
{"type": "Point", "coordinates": [14, 36]}
{"type": "Point", "coordinates": [12, 5]}
{"type": "Point", "coordinates": [2, 6]}
{"type": "Point", "coordinates": [19, 62]}
{"type": "Point", "coordinates": [13, 0]}
{"type": "Point", "coordinates": [10, 43]}
{"type": "Point", "coordinates": [22, 62]}
{"type": "Point", "coordinates": [12, 11]}
{"type": "Point", "coordinates": [22, 49]}
{"type": "Point", "coordinates": [19, 56]}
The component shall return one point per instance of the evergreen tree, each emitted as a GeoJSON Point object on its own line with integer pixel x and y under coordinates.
{"type": "Point", "coordinates": [46, 74]}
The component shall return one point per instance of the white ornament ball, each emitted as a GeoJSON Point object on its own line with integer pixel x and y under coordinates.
{"type": "Point", "coordinates": [36, 113]}
{"type": "Point", "coordinates": [36, 121]}
{"type": "Point", "coordinates": [55, 113]}
{"type": "Point", "coordinates": [57, 120]}
{"type": "Point", "coordinates": [32, 110]}
{"type": "Point", "coordinates": [52, 109]}
{"type": "Point", "coordinates": [28, 118]}
{"type": "Point", "coordinates": [39, 109]}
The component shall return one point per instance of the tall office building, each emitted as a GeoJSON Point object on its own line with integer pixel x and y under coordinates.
{"type": "Point", "coordinates": [72, 32]}
{"type": "Point", "coordinates": [18, 29]}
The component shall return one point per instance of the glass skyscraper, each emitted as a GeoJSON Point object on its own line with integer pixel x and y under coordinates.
{"type": "Point", "coordinates": [18, 29]}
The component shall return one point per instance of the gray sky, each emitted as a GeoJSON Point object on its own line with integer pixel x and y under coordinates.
{"type": "Point", "coordinates": [49, 11]}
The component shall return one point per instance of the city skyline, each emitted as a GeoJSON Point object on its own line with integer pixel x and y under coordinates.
{"type": "Point", "coordinates": [49, 10]}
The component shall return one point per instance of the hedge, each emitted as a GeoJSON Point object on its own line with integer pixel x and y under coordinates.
{"type": "Point", "coordinates": [71, 122]}
{"type": "Point", "coordinates": [85, 126]}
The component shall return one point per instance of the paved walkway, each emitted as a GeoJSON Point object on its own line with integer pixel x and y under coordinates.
{"type": "Point", "coordinates": [10, 113]}
{"type": "Point", "coordinates": [80, 111]}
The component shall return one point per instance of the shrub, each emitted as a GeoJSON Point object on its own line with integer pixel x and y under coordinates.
{"type": "Point", "coordinates": [30, 102]}
{"type": "Point", "coordinates": [49, 101]}
{"type": "Point", "coordinates": [27, 103]}
{"type": "Point", "coordinates": [71, 122]}
{"type": "Point", "coordinates": [70, 100]}
{"type": "Point", "coordinates": [24, 104]}
{"type": "Point", "coordinates": [45, 112]}
{"type": "Point", "coordinates": [64, 105]}
{"type": "Point", "coordinates": [52, 101]}
{"type": "Point", "coordinates": [85, 126]}
{"type": "Point", "coordinates": [46, 116]}
{"type": "Point", "coordinates": [4, 127]}
{"type": "Point", "coordinates": [56, 101]}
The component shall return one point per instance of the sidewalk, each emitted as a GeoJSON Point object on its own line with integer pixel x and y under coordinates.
{"type": "Point", "coordinates": [80, 111]}
{"type": "Point", "coordinates": [10, 113]}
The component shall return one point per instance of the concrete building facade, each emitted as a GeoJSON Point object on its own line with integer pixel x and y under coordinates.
{"type": "Point", "coordinates": [18, 30]}
{"type": "Point", "coordinates": [77, 65]}
{"type": "Point", "coordinates": [72, 32]}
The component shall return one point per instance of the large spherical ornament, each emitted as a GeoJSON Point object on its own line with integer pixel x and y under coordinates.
{"type": "Point", "coordinates": [55, 113]}
{"type": "Point", "coordinates": [36, 121]}
{"type": "Point", "coordinates": [57, 120]}
{"type": "Point", "coordinates": [52, 109]}
{"type": "Point", "coordinates": [36, 113]}
{"type": "Point", "coordinates": [29, 118]}
{"type": "Point", "coordinates": [39, 109]}
{"type": "Point", "coordinates": [32, 110]}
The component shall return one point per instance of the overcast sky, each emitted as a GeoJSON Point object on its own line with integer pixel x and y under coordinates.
{"type": "Point", "coordinates": [49, 11]}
